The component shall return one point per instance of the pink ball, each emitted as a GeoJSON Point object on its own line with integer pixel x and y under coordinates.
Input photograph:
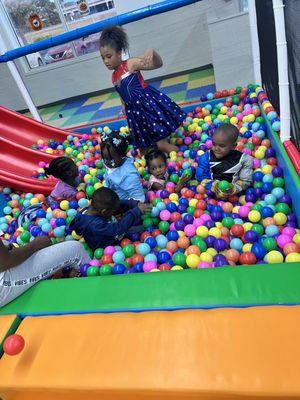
{"type": "Point", "coordinates": [42, 164]}
{"type": "Point", "coordinates": [247, 151]}
{"type": "Point", "coordinates": [239, 116]}
{"type": "Point", "coordinates": [96, 263]}
{"type": "Point", "coordinates": [84, 137]}
{"type": "Point", "coordinates": [288, 230]}
{"type": "Point", "coordinates": [283, 239]}
{"type": "Point", "coordinates": [109, 250]}
{"type": "Point", "coordinates": [256, 163]}
{"type": "Point", "coordinates": [209, 144]}
{"type": "Point", "coordinates": [149, 266]}
{"type": "Point", "coordinates": [172, 226]}
{"type": "Point", "coordinates": [164, 215]}
{"type": "Point", "coordinates": [188, 140]}
{"type": "Point", "coordinates": [170, 186]}
{"type": "Point", "coordinates": [205, 217]}
{"type": "Point", "coordinates": [198, 222]}
{"type": "Point", "coordinates": [172, 164]}
{"type": "Point", "coordinates": [53, 223]}
{"type": "Point", "coordinates": [243, 211]}
{"type": "Point", "coordinates": [204, 264]}
{"type": "Point", "coordinates": [190, 230]}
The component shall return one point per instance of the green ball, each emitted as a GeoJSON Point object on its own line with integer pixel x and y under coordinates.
{"type": "Point", "coordinates": [128, 250]}
{"type": "Point", "coordinates": [16, 214]}
{"type": "Point", "coordinates": [69, 220]}
{"type": "Point", "coordinates": [155, 221]}
{"type": "Point", "coordinates": [257, 184]}
{"type": "Point", "coordinates": [147, 222]}
{"type": "Point", "coordinates": [187, 172]}
{"type": "Point", "coordinates": [164, 226]}
{"type": "Point", "coordinates": [270, 244]}
{"type": "Point", "coordinates": [156, 201]}
{"type": "Point", "coordinates": [92, 271]}
{"type": "Point", "coordinates": [259, 229]}
{"type": "Point", "coordinates": [190, 210]}
{"type": "Point", "coordinates": [256, 207]}
{"type": "Point", "coordinates": [278, 182]}
{"type": "Point", "coordinates": [94, 180]}
{"type": "Point", "coordinates": [238, 89]}
{"type": "Point", "coordinates": [98, 253]}
{"type": "Point", "coordinates": [174, 178]}
{"type": "Point", "coordinates": [283, 207]}
{"type": "Point", "coordinates": [99, 164]}
{"type": "Point", "coordinates": [25, 237]}
{"type": "Point", "coordinates": [260, 120]}
{"type": "Point", "coordinates": [179, 259]}
{"type": "Point", "coordinates": [90, 191]}
{"type": "Point", "coordinates": [199, 242]}
{"type": "Point", "coordinates": [228, 222]}
{"type": "Point", "coordinates": [105, 270]}
{"type": "Point", "coordinates": [223, 186]}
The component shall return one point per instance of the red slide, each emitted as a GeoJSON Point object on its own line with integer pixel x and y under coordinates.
{"type": "Point", "coordinates": [17, 160]}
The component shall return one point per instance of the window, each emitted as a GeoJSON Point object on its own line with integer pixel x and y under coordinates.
{"type": "Point", "coordinates": [55, 17]}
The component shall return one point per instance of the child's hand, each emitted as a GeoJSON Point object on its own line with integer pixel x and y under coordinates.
{"type": "Point", "coordinates": [182, 181]}
{"type": "Point", "coordinates": [145, 208]}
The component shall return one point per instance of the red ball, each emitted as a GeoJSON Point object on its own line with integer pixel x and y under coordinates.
{"type": "Point", "coordinates": [137, 258]}
{"type": "Point", "coordinates": [272, 161]}
{"type": "Point", "coordinates": [125, 241]}
{"type": "Point", "coordinates": [217, 95]}
{"type": "Point", "coordinates": [237, 230]}
{"type": "Point", "coordinates": [13, 344]}
{"type": "Point", "coordinates": [198, 213]}
{"type": "Point", "coordinates": [256, 140]}
{"type": "Point", "coordinates": [106, 259]}
{"type": "Point", "coordinates": [224, 92]}
{"type": "Point", "coordinates": [247, 258]}
{"type": "Point", "coordinates": [156, 232]}
{"type": "Point", "coordinates": [144, 235]}
{"type": "Point", "coordinates": [164, 267]}
{"type": "Point", "coordinates": [175, 216]}
{"type": "Point", "coordinates": [80, 195]}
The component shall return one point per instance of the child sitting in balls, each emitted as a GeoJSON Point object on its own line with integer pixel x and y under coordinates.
{"type": "Point", "coordinates": [121, 174]}
{"type": "Point", "coordinates": [223, 164]}
{"type": "Point", "coordinates": [95, 223]}
{"type": "Point", "coordinates": [66, 171]}
{"type": "Point", "coordinates": [156, 162]}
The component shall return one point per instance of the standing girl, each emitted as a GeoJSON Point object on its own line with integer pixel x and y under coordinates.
{"type": "Point", "coordinates": [151, 115]}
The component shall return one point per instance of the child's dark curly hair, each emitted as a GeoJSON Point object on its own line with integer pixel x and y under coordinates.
{"type": "Point", "coordinates": [154, 153]}
{"type": "Point", "coordinates": [115, 37]}
{"type": "Point", "coordinates": [116, 141]}
{"type": "Point", "coordinates": [62, 168]}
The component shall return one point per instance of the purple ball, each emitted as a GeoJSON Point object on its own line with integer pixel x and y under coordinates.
{"type": "Point", "coordinates": [179, 225]}
{"type": "Point", "coordinates": [220, 244]}
{"type": "Point", "coordinates": [188, 219]}
{"type": "Point", "coordinates": [258, 192]}
{"type": "Point", "coordinates": [291, 223]}
{"type": "Point", "coordinates": [134, 236]}
{"type": "Point", "coordinates": [286, 199]}
{"type": "Point", "coordinates": [210, 240]}
{"type": "Point", "coordinates": [164, 194]}
{"type": "Point", "coordinates": [216, 216]}
{"type": "Point", "coordinates": [181, 208]}
{"type": "Point", "coordinates": [292, 218]}
{"type": "Point", "coordinates": [270, 152]}
{"type": "Point", "coordinates": [250, 197]}
{"type": "Point", "coordinates": [277, 171]}
{"type": "Point", "coordinates": [251, 236]}
{"type": "Point", "coordinates": [220, 260]}
{"type": "Point", "coordinates": [83, 269]}
{"type": "Point", "coordinates": [209, 224]}
{"type": "Point", "coordinates": [54, 205]}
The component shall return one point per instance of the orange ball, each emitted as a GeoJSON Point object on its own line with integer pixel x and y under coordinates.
{"type": "Point", "coordinates": [192, 250]}
{"type": "Point", "coordinates": [224, 231]}
{"type": "Point", "coordinates": [183, 242]}
{"type": "Point", "coordinates": [227, 207]}
{"type": "Point", "coordinates": [200, 189]}
{"type": "Point", "coordinates": [172, 246]}
{"type": "Point", "coordinates": [232, 255]}
{"type": "Point", "coordinates": [291, 248]}
{"type": "Point", "coordinates": [268, 221]}
{"type": "Point", "coordinates": [14, 203]}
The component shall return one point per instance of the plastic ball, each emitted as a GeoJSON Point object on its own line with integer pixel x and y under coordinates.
{"type": "Point", "coordinates": [274, 257]}
{"type": "Point", "coordinates": [13, 344]}
{"type": "Point", "coordinates": [192, 260]}
{"type": "Point", "coordinates": [143, 249]}
{"type": "Point", "coordinates": [292, 257]}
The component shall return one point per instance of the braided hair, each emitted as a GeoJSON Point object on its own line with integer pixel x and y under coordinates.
{"type": "Point", "coordinates": [114, 36]}
{"type": "Point", "coordinates": [115, 144]}
{"type": "Point", "coordinates": [62, 168]}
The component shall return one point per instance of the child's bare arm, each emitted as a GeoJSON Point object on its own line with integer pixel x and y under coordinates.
{"type": "Point", "coordinates": [150, 60]}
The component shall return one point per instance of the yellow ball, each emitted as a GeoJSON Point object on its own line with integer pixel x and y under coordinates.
{"type": "Point", "coordinates": [87, 177]}
{"type": "Point", "coordinates": [206, 257]}
{"type": "Point", "coordinates": [192, 261]}
{"type": "Point", "coordinates": [176, 268]}
{"type": "Point", "coordinates": [202, 231]}
{"type": "Point", "coordinates": [251, 118]}
{"type": "Point", "coordinates": [93, 171]}
{"type": "Point", "coordinates": [80, 156]}
{"type": "Point", "coordinates": [242, 199]}
{"type": "Point", "coordinates": [247, 247]}
{"type": "Point", "coordinates": [180, 233]}
{"type": "Point", "coordinates": [207, 118]}
{"type": "Point", "coordinates": [267, 169]}
{"type": "Point", "coordinates": [254, 216]}
{"type": "Point", "coordinates": [234, 120]}
{"type": "Point", "coordinates": [247, 226]}
{"type": "Point", "coordinates": [211, 251]}
{"type": "Point", "coordinates": [173, 197]}
{"type": "Point", "coordinates": [173, 154]}
{"type": "Point", "coordinates": [68, 151]}
{"type": "Point", "coordinates": [193, 202]}
{"type": "Point", "coordinates": [292, 257]}
{"type": "Point", "coordinates": [97, 185]}
{"type": "Point", "coordinates": [223, 110]}
{"type": "Point", "coordinates": [274, 257]}
{"type": "Point", "coordinates": [64, 205]}
{"type": "Point", "coordinates": [34, 200]}
{"type": "Point", "coordinates": [243, 130]}
{"type": "Point", "coordinates": [75, 236]}
{"type": "Point", "coordinates": [296, 238]}
{"type": "Point", "coordinates": [235, 210]}
{"type": "Point", "coordinates": [123, 129]}
{"type": "Point", "coordinates": [215, 232]}
{"type": "Point", "coordinates": [49, 151]}
{"type": "Point", "coordinates": [280, 218]}
{"type": "Point", "coordinates": [155, 270]}
{"type": "Point", "coordinates": [259, 154]}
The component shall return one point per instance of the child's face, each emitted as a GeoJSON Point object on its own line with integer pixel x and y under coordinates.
{"type": "Point", "coordinates": [111, 58]}
{"type": "Point", "coordinates": [221, 145]}
{"type": "Point", "coordinates": [158, 168]}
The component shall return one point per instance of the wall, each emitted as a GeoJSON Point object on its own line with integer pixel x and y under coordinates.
{"type": "Point", "coordinates": [181, 36]}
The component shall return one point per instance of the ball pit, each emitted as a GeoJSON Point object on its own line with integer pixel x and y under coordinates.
{"type": "Point", "coordinates": [190, 230]}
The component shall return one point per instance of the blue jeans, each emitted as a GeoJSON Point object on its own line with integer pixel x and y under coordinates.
{"type": "Point", "coordinates": [41, 265]}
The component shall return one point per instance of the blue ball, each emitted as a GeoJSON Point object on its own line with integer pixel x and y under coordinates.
{"type": "Point", "coordinates": [258, 250]}
{"type": "Point", "coordinates": [161, 241]}
{"type": "Point", "coordinates": [118, 269]}
{"type": "Point", "coordinates": [236, 244]}
{"type": "Point", "coordinates": [267, 187]}
{"type": "Point", "coordinates": [258, 176]}
{"type": "Point", "coordinates": [151, 241]}
{"type": "Point", "coordinates": [143, 249]}
{"type": "Point", "coordinates": [60, 222]}
{"type": "Point", "coordinates": [270, 199]}
{"type": "Point", "coordinates": [138, 267]}
{"type": "Point", "coordinates": [271, 230]}
{"type": "Point", "coordinates": [163, 256]}
{"type": "Point", "coordinates": [150, 257]}
{"type": "Point", "coordinates": [118, 256]}
{"type": "Point", "coordinates": [171, 207]}
{"type": "Point", "coordinates": [172, 235]}
{"type": "Point", "coordinates": [266, 212]}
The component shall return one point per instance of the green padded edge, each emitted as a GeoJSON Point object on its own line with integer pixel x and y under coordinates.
{"type": "Point", "coordinates": [227, 287]}
{"type": "Point", "coordinates": [14, 326]}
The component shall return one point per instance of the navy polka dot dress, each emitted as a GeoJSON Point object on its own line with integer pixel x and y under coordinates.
{"type": "Point", "coordinates": [151, 115]}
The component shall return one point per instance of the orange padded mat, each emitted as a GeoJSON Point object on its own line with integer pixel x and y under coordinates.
{"type": "Point", "coordinates": [6, 322]}
{"type": "Point", "coordinates": [194, 354]}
